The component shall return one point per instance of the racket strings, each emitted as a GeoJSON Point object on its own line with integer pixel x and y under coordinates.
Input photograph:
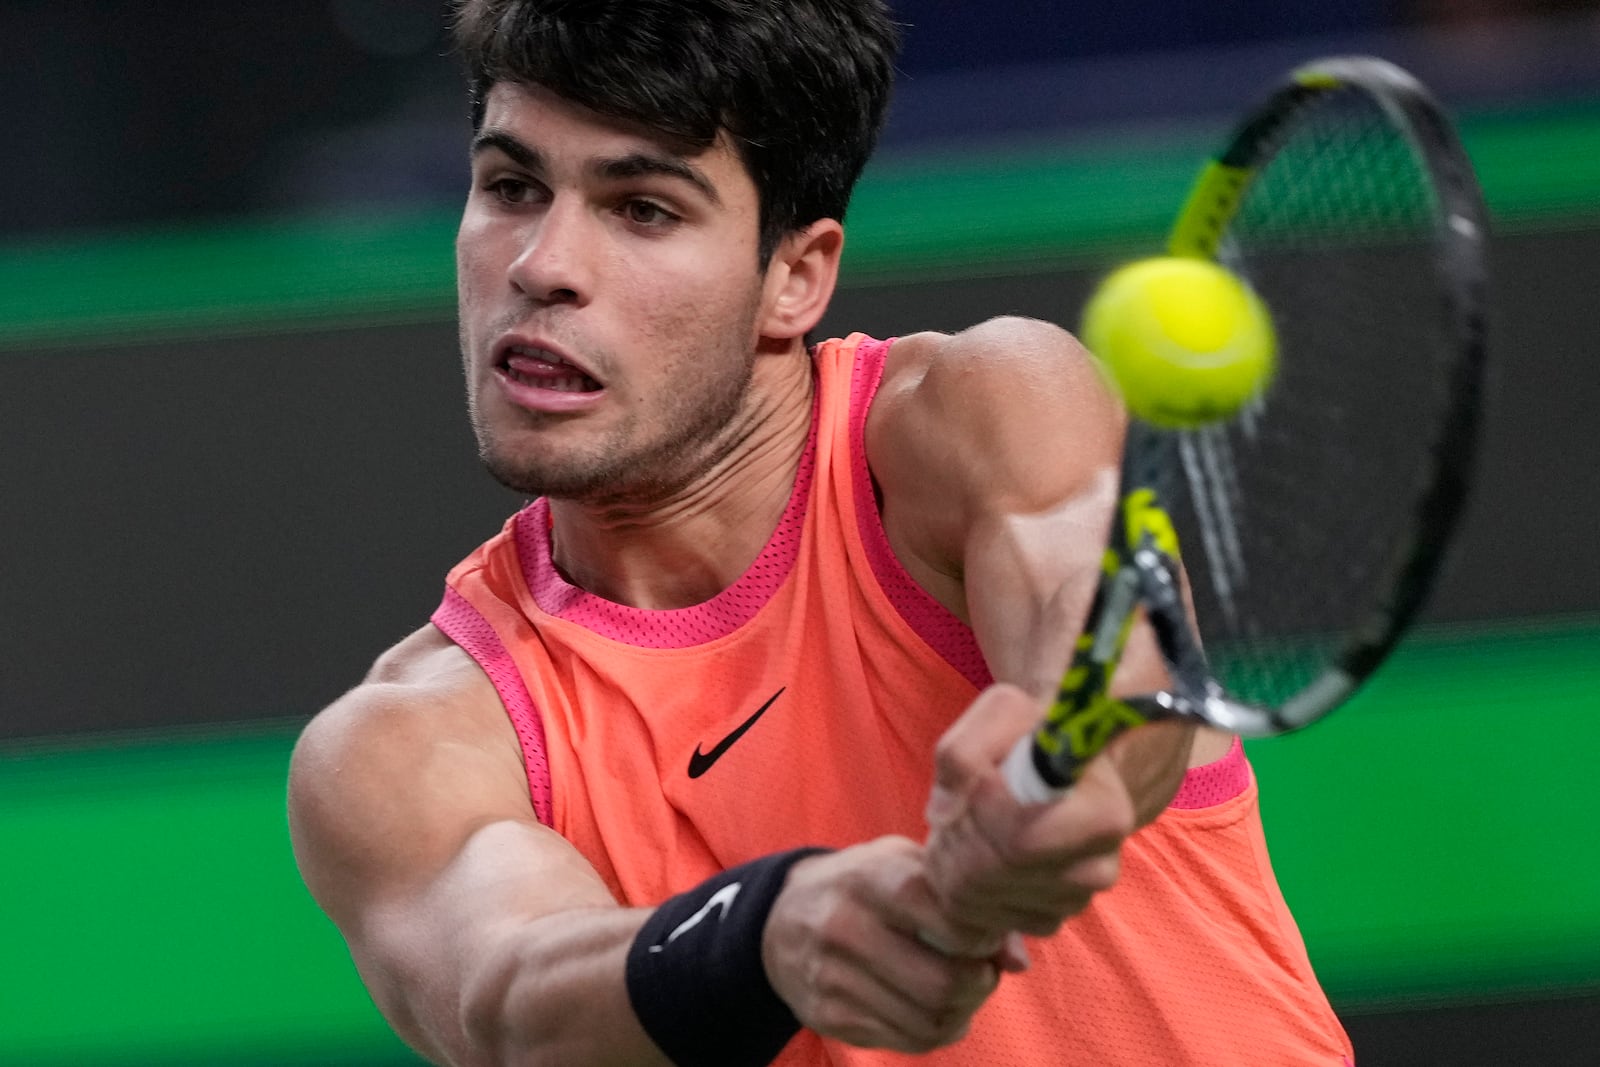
{"type": "Point", "coordinates": [1290, 516]}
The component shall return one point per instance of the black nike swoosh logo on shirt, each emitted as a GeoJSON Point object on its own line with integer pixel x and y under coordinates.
{"type": "Point", "coordinates": [700, 762]}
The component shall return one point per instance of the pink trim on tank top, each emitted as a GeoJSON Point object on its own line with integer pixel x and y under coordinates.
{"type": "Point", "coordinates": [1212, 783]}
{"type": "Point", "coordinates": [466, 626]}
{"type": "Point", "coordinates": [946, 634]}
{"type": "Point", "coordinates": [678, 627]}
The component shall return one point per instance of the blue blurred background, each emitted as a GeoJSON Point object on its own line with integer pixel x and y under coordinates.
{"type": "Point", "coordinates": [234, 467]}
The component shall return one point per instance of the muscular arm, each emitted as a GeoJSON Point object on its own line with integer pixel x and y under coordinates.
{"type": "Point", "coordinates": [996, 453]}
{"type": "Point", "coordinates": [483, 936]}
{"type": "Point", "coordinates": [996, 450]}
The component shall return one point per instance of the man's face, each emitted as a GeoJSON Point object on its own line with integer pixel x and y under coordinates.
{"type": "Point", "coordinates": [609, 299]}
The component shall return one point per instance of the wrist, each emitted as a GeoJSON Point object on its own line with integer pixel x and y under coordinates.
{"type": "Point", "coordinates": [696, 976]}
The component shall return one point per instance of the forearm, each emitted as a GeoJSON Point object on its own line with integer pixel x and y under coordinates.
{"type": "Point", "coordinates": [555, 993]}
{"type": "Point", "coordinates": [687, 980]}
{"type": "Point", "coordinates": [1028, 601]}
{"type": "Point", "coordinates": [701, 974]}
{"type": "Point", "coordinates": [513, 953]}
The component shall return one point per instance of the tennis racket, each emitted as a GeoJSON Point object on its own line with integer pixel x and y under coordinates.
{"type": "Point", "coordinates": [1313, 521]}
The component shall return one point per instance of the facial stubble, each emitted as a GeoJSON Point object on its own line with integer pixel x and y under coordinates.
{"type": "Point", "coordinates": [695, 429]}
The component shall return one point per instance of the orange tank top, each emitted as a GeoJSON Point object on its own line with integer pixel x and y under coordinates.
{"type": "Point", "coordinates": [801, 705]}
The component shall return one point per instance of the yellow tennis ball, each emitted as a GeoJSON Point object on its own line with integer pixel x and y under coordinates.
{"type": "Point", "coordinates": [1185, 340]}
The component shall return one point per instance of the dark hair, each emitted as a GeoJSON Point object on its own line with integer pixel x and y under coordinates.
{"type": "Point", "coordinates": [801, 86]}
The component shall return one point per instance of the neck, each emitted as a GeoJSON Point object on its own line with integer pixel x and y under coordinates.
{"type": "Point", "coordinates": [687, 546]}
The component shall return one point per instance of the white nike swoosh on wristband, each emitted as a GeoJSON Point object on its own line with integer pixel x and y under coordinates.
{"type": "Point", "coordinates": [722, 898]}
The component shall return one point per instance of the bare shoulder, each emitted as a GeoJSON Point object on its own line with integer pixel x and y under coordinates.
{"type": "Point", "coordinates": [1009, 416]}
{"type": "Point", "coordinates": [388, 781]}
{"type": "Point", "coordinates": [1004, 393]}
{"type": "Point", "coordinates": [1006, 337]}
{"type": "Point", "coordinates": [1007, 352]}
{"type": "Point", "coordinates": [412, 825]}
{"type": "Point", "coordinates": [423, 692]}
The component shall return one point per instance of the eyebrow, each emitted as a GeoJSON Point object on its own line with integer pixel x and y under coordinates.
{"type": "Point", "coordinates": [519, 153]}
{"type": "Point", "coordinates": [645, 164]}
{"type": "Point", "coordinates": [619, 168]}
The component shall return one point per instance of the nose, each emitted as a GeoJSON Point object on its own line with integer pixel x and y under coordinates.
{"type": "Point", "coordinates": [554, 266]}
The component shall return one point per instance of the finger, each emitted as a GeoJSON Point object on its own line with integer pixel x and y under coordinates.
{"type": "Point", "coordinates": [1092, 818]}
{"type": "Point", "coordinates": [913, 908]}
{"type": "Point", "coordinates": [895, 992]}
{"type": "Point", "coordinates": [845, 957]}
{"type": "Point", "coordinates": [1004, 867]}
{"type": "Point", "coordinates": [984, 733]}
{"type": "Point", "coordinates": [974, 745]}
{"type": "Point", "coordinates": [964, 967]}
{"type": "Point", "coordinates": [1013, 955]}
{"type": "Point", "coordinates": [1036, 907]}
{"type": "Point", "coordinates": [1010, 957]}
{"type": "Point", "coordinates": [998, 848]}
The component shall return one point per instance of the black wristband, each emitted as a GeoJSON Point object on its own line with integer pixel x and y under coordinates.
{"type": "Point", "coordinates": [695, 976]}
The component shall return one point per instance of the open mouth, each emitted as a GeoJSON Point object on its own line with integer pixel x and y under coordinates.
{"type": "Point", "coordinates": [540, 369]}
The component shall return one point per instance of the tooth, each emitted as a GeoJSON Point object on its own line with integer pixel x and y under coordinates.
{"type": "Point", "coordinates": [541, 354]}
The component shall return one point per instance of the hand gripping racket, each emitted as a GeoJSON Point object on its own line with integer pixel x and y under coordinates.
{"type": "Point", "coordinates": [1312, 522]}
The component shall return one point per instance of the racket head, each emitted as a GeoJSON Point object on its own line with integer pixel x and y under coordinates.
{"type": "Point", "coordinates": [1314, 523]}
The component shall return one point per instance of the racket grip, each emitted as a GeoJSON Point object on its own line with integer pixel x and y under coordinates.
{"type": "Point", "coordinates": [1022, 775]}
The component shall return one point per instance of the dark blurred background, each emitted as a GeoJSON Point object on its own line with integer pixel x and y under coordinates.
{"type": "Point", "coordinates": [121, 113]}
{"type": "Point", "coordinates": [234, 467]}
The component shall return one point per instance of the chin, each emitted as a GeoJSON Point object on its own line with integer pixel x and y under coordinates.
{"type": "Point", "coordinates": [531, 477]}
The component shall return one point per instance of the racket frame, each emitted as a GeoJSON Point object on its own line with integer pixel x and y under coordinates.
{"type": "Point", "coordinates": [1141, 568]}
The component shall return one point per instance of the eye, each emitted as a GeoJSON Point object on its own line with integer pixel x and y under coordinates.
{"type": "Point", "coordinates": [511, 190]}
{"type": "Point", "coordinates": [647, 213]}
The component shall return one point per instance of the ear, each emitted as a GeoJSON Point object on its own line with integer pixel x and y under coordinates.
{"type": "Point", "coordinates": [800, 280]}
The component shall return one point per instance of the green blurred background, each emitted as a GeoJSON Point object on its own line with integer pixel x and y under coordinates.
{"type": "Point", "coordinates": [234, 467]}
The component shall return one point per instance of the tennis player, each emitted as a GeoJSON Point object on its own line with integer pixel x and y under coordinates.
{"type": "Point", "coordinates": [697, 760]}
